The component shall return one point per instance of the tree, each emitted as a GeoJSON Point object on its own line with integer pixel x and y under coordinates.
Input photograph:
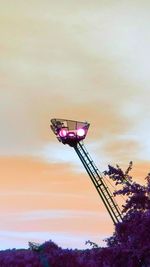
{"type": "Point", "coordinates": [133, 232]}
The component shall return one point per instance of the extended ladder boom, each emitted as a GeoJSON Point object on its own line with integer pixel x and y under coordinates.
{"type": "Point", "coordinates": [99, 183]}
{"type": "Point", "coordinates": [72, 133]}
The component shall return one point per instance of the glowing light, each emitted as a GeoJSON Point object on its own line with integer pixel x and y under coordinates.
{"type": "Point", "coordinates": [80, 132]}
{"type": "Point", "coordinates": [71, 134]}
{"type": "Point", "coordinates": [63, 133]}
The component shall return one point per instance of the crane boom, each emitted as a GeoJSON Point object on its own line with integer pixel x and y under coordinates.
{"type": "Point", "coordinates": [99, 183]}
{"type": "Point", "coordinates": [72, 133]}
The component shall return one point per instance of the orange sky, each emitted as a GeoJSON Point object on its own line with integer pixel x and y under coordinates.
{"type": "Point", "coordinates": [74, 60]}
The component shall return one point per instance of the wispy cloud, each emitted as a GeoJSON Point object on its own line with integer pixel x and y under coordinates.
{"type": "Point", "coordinates": [60, 214]}
{"type": "Point", "coordinates": [90, 67]}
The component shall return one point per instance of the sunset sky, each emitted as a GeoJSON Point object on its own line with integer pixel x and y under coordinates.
{"type": "Point", "coordinates": [80, 60]}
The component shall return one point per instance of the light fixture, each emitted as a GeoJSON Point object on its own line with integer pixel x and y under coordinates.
{"type": "Point", "coordinates": [80, 132]}
{"type": "Point", "coordinates": [63, 132]}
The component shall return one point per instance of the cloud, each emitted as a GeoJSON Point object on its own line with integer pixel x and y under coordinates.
{"type": "Point", "coordinates": [58, 184]}
{"type": "Point", "coordinates": [60, 214]}
{"type": "Point", "coordinates": [77, 63]}
{"type": "Point", "coordinates": [122, 149]}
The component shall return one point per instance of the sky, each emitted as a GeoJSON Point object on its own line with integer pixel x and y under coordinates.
{"type": "Point", "coordinates": [79, 60]}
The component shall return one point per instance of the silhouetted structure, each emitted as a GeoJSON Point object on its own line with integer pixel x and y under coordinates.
{"type": "Point", "coordinates": [73, 133]}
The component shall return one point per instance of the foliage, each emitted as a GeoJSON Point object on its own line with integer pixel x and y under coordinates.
{"type": "Point", "coordinates": [92, 244]}
{"type": "Point", "coordinates": [138, 196]}
{"type": "Point", "coordinates": [133, 232]}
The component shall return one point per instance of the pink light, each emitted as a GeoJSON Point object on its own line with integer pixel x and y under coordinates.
{"type": "Point", "coordinates": [80, 132]}
{"type": "Point", "coordinates": [63, 133]}
{"type": "Point", "coordinates": [71, 134]}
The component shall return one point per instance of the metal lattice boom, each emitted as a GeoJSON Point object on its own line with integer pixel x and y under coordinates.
{"type": "Point", "coordinates": [99, 183]}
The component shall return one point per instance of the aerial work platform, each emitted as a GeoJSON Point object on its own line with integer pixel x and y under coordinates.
{"type": "Point", "coordinates": [68, 131]}
{"type": "Point", "coordinates": [73, 133]}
